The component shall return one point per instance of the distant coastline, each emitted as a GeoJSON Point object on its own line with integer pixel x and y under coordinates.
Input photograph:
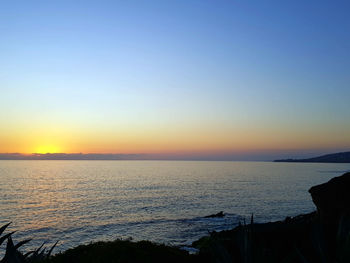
{"type": "Point", "coordinates": [137, 156]}
{"type": "Point", "coordinates": [71, 156]}
{"type": "Point", "coordinates": [342, 157]}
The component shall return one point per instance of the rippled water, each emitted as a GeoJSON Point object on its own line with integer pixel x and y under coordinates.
{"type": "Point", "coordinates": [165, 201]}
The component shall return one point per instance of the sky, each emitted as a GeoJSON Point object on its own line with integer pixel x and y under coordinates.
{"type": "Point", "coordinates": [247, 79]}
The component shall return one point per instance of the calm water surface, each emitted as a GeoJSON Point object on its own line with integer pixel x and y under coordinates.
{"type": "Point", "coordinates": [165, 201]}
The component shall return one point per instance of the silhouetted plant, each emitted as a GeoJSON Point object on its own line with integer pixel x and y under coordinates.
{"type": "Point", "coordinates": [13, 255]}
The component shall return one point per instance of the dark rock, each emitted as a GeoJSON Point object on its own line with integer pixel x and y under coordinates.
{"type": "Point", "coordinates": [332, 199]}
{"type": "Point", "coordinates": [220, 214]}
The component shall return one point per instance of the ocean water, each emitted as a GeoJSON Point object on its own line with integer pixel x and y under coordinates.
{"type": "Point", "coordinates": [77, 202]}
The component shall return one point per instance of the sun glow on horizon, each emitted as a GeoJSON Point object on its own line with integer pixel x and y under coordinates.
{"type": "Point", "coordinates": [47, 149]}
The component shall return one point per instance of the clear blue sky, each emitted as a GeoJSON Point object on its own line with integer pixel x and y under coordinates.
{"type": "Point", "coordinates": [175, 76]}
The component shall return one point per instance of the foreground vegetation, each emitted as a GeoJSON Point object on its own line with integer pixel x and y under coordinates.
{"type": "Point", "coordinates": [123, 251]}
{"type": "Point", "coordinates": [115, 251]}
{"type": "Point", "coordinates": [322, 236]}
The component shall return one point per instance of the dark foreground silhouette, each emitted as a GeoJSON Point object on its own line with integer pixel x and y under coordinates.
{"type": "Point", "coordinates": [322, 236]}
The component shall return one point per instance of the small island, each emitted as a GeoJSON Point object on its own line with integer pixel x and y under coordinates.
{"type": "Point", "coordinates": [342, 157]}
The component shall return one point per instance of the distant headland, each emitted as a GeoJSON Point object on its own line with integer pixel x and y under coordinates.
{"type": "Point", "coordinates": [343, 157]}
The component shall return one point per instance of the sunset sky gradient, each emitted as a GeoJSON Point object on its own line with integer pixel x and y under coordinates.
{"type": "Point", "coordinates": [249, 78]}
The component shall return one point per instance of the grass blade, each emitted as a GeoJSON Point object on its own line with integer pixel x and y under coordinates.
{"type": "Point", "coordinates": [2, 229]}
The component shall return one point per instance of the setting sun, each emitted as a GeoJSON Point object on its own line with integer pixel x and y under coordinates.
{"type": "Point", "coordinates": [47, 149]}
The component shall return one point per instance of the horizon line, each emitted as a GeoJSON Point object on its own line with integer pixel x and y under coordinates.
{"type": "Point", "coordinates": [121, 157]}
{"type": "Point", "coordinates": [252, 156]}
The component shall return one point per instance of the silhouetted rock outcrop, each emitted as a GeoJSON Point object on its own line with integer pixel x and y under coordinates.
{"type": "Point", "coordinates": [332, 199]}
{"type": "Point", "coordinates": [220, 214]}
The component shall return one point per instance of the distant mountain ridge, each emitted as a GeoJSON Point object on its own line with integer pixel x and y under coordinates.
{"type": "Point", "coordinates": [342, 157]}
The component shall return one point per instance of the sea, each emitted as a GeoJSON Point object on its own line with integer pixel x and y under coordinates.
{"type": "Point", "coordinates": [78, 202]}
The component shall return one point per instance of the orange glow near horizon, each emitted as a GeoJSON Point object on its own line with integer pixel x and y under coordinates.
{"type": "Point", "coordinates": [171, 140]}
{"type": "Point", "coordinates": [47, 149]}
{"type": "Point", "coordinates": [162, 142]}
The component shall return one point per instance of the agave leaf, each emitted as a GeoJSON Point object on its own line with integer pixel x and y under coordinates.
{"type": "Point", "coordinates": [10, 253]}
{"type": "Point", "coordinates": [29, 253]}
{"type": "Point", "coordinates": [21, 243]}
{"type": "Point", "coordinates": [3, 238]}
{"type": "Point", "coordinates": [2, 229]}
{"type": "Point", "coordinates": [36, 252]}
{"type": "Point", "coordinates": [10, 244]}
{"type": "Point", "coordinates": [42, 253]}
{"type": "Point", "coordinates": [50, 251]}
